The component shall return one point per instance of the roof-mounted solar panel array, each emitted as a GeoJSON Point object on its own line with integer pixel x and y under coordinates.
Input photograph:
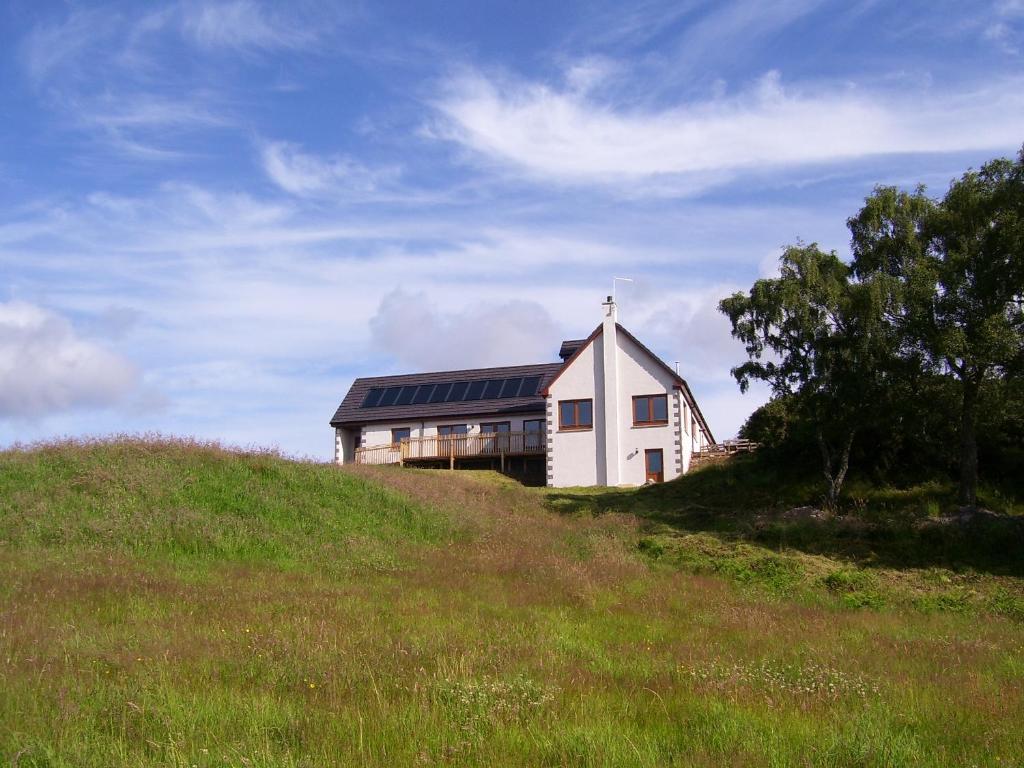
{"type": "Point", "coordinates": [452, 392]}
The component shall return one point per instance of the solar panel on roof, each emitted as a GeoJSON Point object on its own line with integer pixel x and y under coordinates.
{"type": "Point", "coordinates": [458, 392]}
{"type": "Point", "coordinates": [390, 395]}
{"type": "Point", "coordinates": [529, 388]}
{"type": "Point", "coordinates": [440, 393]}
{"type": "Point", "coordinates": [372, 397]}
{"type": "Point", "coordinates": [452, 392]}
{"type": "Point", "coordinates": [511, 388]}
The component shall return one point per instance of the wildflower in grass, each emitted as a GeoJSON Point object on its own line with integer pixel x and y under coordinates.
{"type": "Point", "coordinates": [807, 682]}
{"type": "Point", "coordinates": [478, 704]}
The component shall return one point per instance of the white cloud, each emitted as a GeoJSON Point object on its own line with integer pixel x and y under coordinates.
{"type": "Point", "coordinates": [45, 367]}
{"type": "Point", "coordinates": [49, 47]}
{"type": "Point", "coordinates": [1003, 27]}
{"type": "Point", "coordinates": [564, 135]}
{"type": "Point", "coordinates": [301, 173]}
{"type": "Point", "coordinates": [242, 24]}
{"type": "Point", "coordinates": [409, 328]}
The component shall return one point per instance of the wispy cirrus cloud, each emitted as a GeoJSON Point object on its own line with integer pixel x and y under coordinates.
{"type": "Point", "coordinates": [569, 136]}
{"type": "Point", "coordinates": [1005, 26]}
{"type": "Point", "coordinates": [246, 25]}
{"type": "Point", "coordinates": [305, 174]}
{"type": "Point", "coordinates": [56, 45]}
{"type": "Point", "coordinates": [107, 72]}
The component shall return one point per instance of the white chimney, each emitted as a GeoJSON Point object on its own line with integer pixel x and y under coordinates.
{"type": "Point", "coordinates": [610, 348]}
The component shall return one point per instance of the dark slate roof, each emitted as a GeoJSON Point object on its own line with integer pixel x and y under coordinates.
{"type": "Point", "coordinates": [569, 347]}
{"type": "Point", "coordinates": [351, 412]}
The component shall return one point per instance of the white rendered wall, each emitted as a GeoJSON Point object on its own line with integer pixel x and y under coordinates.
{"type": "Point", "coordinates": [641, 375]}
{"type": "Point", "coordinates": [581, 457]}
{"type": "Point", "coordinates": [345, 443]}
{"type": "Point", "coordinates": [577, 457]}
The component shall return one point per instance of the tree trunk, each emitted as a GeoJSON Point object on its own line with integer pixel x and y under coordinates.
{"type": "Point", "coordinates": [968, 493]}
{"type": "Point", "coordinates": [835, 477]}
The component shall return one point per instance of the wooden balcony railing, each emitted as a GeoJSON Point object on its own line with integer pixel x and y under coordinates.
{"type": "Point", "coordinates": [723, 450]}
{"type": "Point", "coordinates": [431, 447]}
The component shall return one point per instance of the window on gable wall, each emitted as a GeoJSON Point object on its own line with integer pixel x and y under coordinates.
{"type": "Point", "coordinates": [575, 414]}
{"type": "Point", "coordinates": [649, 410]}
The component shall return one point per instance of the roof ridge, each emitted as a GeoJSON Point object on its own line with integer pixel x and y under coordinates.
{"type": "Point", "coordinates": [457, 372]}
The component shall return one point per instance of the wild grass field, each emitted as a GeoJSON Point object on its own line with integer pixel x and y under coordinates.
{"type": "Point", "coordinates": [169, 603]}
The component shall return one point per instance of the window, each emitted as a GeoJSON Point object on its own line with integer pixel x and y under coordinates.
{"type": "Point", "coordinates": [452, 429]}
{"type": "Point", "coordinates": [496, 426]}
{"type": "Point", "coordinates": [536, 434]}
{"type": "Point", "coordinates": [650, 409]}
{"type": "Point", "coordinates": [575, 414]}
{"type": "Point", "coordinates": [399, 434]}
{"type": "Point", "coordinates": [497, 437]}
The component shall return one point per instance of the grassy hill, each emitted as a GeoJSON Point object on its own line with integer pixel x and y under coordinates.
{"type": "Point", "coordinates": [167, 603]}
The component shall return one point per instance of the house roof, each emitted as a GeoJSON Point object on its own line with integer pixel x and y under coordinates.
{"type": "Point", "coordinates": [353, 410]}
{"type": "Point", "coordinates": [569, 347]}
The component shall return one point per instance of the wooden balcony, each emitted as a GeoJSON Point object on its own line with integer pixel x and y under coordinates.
{"type": "Point", "coordinates": [722, 450]}
{"type": "Point", "coordinates": [499, 445]}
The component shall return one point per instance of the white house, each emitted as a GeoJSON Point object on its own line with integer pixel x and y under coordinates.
{"type": "Point", "coordinates": [611, 413]}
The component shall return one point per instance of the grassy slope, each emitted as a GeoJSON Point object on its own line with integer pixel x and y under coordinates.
{"type": "Point", "coordinates": [174, 604]}
{"type": "Point", "coordinates": [749, 521]}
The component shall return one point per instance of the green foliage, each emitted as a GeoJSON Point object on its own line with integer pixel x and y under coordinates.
{"type": "Point", "coordinates": [917, 346]}
{"type": "Point", "coordinates": [1008, 604]}
{"type": "Point", "coordinates": [816, 338]}
{"type": "Point", "coordinates": [951, 275]}
{"type": "Point", "coordinates": [771, 425]}
{"type": "Point", "coordinates": [849, 580]}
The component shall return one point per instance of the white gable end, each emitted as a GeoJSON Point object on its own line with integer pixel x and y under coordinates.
{"type": "Point", "coordinates": [617, 448]}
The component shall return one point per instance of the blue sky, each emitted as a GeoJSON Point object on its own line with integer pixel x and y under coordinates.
{"type": "Point", "coordinates": [213, 215]}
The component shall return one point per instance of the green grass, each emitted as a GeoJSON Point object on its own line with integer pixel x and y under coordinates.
{"type": "Point", "coordinates": [178, 604]}
{"type": "Point", "coordinates": [757, 524]}
{"type": "Point", "coordinates": [184, 503]}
